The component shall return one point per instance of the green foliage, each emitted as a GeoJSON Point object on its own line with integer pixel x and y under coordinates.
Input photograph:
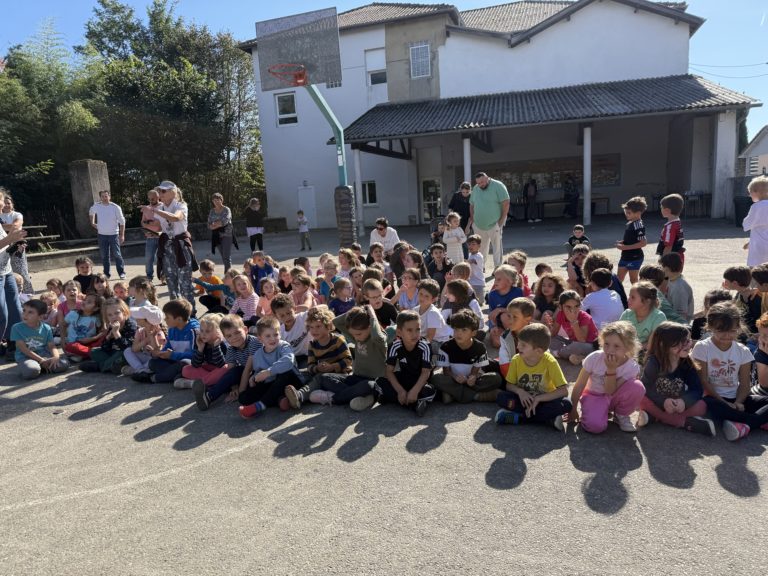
{"type": "Point", "coordinates": [160, 99]}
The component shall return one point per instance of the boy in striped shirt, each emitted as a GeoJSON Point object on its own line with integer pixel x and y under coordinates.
{"type": "Point", "coordinates": [328, 354]}
{"type": "Point", "coordinates": [240, 347]}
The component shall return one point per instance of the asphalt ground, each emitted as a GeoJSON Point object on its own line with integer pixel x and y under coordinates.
{"type": "Point", "coordinates": [99, 475]}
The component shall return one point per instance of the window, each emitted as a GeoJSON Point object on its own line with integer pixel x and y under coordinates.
{"type": "Point", "coordinates": [378, 77]}
{"type": "Point", "coordinates": [369, 193]}
{"type": "Point", "coordinates": [286, 109]}
{"type": "Point", "coordinates": [420, 65]}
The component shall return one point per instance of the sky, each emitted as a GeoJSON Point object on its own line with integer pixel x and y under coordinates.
{"type": "Point", "coordinates": [725, 49]}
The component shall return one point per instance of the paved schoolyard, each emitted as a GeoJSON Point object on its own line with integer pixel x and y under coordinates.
{"type": "Point", "coordinates": [101, 475]}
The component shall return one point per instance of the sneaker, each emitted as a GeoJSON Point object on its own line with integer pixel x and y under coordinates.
{"type": "Point", "coordinates": [642, 419]}
{"type": "Point", "coordinates": [507, 417]}
{"type": "Point", "coordinates": [183, 383]}
{"type": "Point", "coordinates": [625, 423]}
{"type": "Point", "coordinates": [117, 367]}
{"type": "Point", "coordinates": [322, 397]}
{"type": "Point", "coordinates": [447, 398]}
{"type": "Point", "coordinates": [558, 423]}
{"type": "Point", "coordinates": [142, 377]}
{"type": "Point", "coordinates": [127, 370]}
{"type": "Point", "coordinates": [251, 410]}
{"type": "Point", "coordinates": [361, 403]}
{"type": "Point", "coordinates": [295, 398]}
{"type": "Point", "coordinates": [284, 405]}
{"type": "Point", "coordinates": [122, 276]}
{"type": "Point", "coordinates": [530, 220]}
{"type": "Point", "coordinates": [701, 425]}
{"type": "Point", "coordinates": [89, 366]}
{"type": "Point", "coordinates": [74, 359]}
{"type": "Point", "coordinates": [576, 359]}
{"type": "Point", "coordinates": [421, 406]}
{"type": "Point", "coordinates": [734, 430]}
{"type": "Point", "coordinates": [201, 396]}
{"type": "Point", "coordinates": [537, 219]}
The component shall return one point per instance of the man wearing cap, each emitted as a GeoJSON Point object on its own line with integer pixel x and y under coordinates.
{"type": "Point", "coordinates": [488, 207]}
{"type": "Point", "coordinates": [108, 220]}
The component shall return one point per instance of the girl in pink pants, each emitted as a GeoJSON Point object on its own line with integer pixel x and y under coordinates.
{"type": "Point", "coordinates": [608, 381]}
{"type": "Point", "coordinates": [673, 391]}
{"type": "Point", "coordinates": [208, 360]}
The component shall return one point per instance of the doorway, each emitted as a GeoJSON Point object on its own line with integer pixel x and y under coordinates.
{"type": "Point", "coordinates": [431, 199]}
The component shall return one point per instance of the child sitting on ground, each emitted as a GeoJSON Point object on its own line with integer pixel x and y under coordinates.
{"type": "Point", "coordinates": [267, 292]}
{"type": "Point", "coordinates": [655, 274]}
{"type": "Point", "coordinates": [547, 294]}
{"type": "Point", "coordinates": [208, 363]}
{"type": "Point", "coordinates": [679, 292]}
{"type": "Point", "coordinates": [577, 237]}
{"type": "Point", "coordinates": [84, 329]}
{"type": "Point", "coordinates": [120, 291]}
{"type": "Point", "coordinates": [328, 354]}
{"type": "Point", "coordinates": [643, 312]}
{"type": "Point", "coordinates": [439, 266]}
{"type": "Point", "coordinates": [462, 360]}
{"type": "Point", "coordinates": [575, 333]}
{"type": "Point", "coordinates": [302, 292]}
{"type": "Point", "coordinates": [35, 350]}
{"type": "Point", "coordinates": [505, 289]}
{"type": "Point", "coordinates": [433, 327]}
{"type": "Point", "coordinates": [608, 381]}
{"type": "Point", "coordinates": [341, 300]}
{"type": "Point", "coordinates": [747, 299]}
{"type": "Point", "coordinates": [293, 327]}
{"type": "Point", "coordinates": [409, 366]}
{"type": "Point", "coordinates": [386, 313]}
{"type": "Point", "coordinates": [459, 296]}
{"type": "Point", "coordinates": [246, 302]}
{"type": "Point", "coordinates": [595, 260]}
{"type": "Point", "coordinates": [57, 287]}
{"type": "Point", "coordinates": [699, 329]}
{"type": "Point", "coordinates": [142, 291]}
{"type": "Point", "coordinates": [576, 279]}
{"type": "Point", "coordinates": [327, 282]}
{"type": "Point", "coordinates": [602, 303]}
{"type": "Point", "coordinates": [540, 269]}
{"type": "Point", "coordinates": [52, 314]}
{"type": "Point", "coordinates": [407, 297]}
{"type": "Point", "coordinates": [260, 269]}
{"type": "Point", "coordinates": [149, 337]}
{"type": "Point", "coordinates": [268, 372]}
{"type": "Point", "coordinates": [177, 352]}
{"type": "Point", "coordinates": [519, 315]}
{"type": "Point", "coordinates": [518, 259]}
{"type": "Point", "coordinates": [241, 346]}
{"type": "Point", "coordinates": [536, 389]}
{"type": "Point", "coordinates": [208, 297]}
{"type": "Point", "coordinates": [120, 331]}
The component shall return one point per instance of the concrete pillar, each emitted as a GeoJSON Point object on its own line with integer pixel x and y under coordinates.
{"type": "Point", "coordinates": [87, 179]}
{"type": "Point", "coordinates": [587, 170]}
{"type": "Point", "coordinates": [359, 194]}
{"type": "Point", "coordinates": [724, 164]}
{"type": "Point", "coordinates": [467, 148]}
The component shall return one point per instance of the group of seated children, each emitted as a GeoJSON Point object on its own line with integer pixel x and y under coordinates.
{"type": "Point", "coordinates": [402, 331]}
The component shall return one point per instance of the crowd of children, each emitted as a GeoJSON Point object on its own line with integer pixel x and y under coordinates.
{"type": "Point", "coordinates": [406, 329]}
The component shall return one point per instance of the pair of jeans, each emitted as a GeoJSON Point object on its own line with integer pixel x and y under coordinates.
{"type": "Point", "coordinates": [269, 393]}
{"type": "Point", "coordinates": [225, 383]}
{"type": "Point", "coordinates": [545, 411]}
{"type": "Point", "coordinates": [345, 387]}
{"type": "Point", "coordinates": [225, 246]}
{"type": "Point", "coordinates": [31, 369]}
{"type": "Point", "coordinates": [461, 392]}
{"type": "Point", "coordinates": [150, 254]}
{"type": "Point", "coordinates": [720, 411]}
{"type": "Point", "coordinates": [10, 308]}
{"type": "Point", "coordinates": [167, 370]}
{"type": "Point", "coordinates": [109, 245]}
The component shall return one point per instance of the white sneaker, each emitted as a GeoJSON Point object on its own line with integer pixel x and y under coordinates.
{"type": "Point", "coordinates": [530, 220]}
{"type": "Point", "coordinates": [734, 430]}
{"type": "Point", "coordinates": [361, 403]}
{"type": "Point", "coordinates": [183, 384]}
{"type": "Point", "coordinates": [558, 423]}
{"type": "Point", "coordinates": [642, 419]}
{"type": "Point", "coordinates": [625, 423]}
{"type": "Point", "coordinates": [537, 219]}
{"type": "Point", "coordinates": [321, 397]}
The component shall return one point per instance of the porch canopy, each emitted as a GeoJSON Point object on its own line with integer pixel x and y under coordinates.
{"type": "Point", "coordinates": [387, 129]}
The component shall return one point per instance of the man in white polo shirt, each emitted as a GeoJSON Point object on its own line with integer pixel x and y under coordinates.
{"type": "Point", "coordinates": [107, 218]}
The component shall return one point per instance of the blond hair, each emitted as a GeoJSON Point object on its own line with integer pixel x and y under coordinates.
{"type": "Point", "coordinates": [213, 320]}
{"type": "Point", "coordinates": [509, 272]}
{"type": "Point", "coordinates": [625, 332]}
{"type": "Point", "coordinates": [758, 185]}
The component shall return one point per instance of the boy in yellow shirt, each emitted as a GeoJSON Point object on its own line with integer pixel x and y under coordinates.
{"type": "Point", "coordinates": [536, 387]}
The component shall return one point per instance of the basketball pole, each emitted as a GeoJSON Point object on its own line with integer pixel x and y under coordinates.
{"type": "Point", "coordinates": [338, 131]}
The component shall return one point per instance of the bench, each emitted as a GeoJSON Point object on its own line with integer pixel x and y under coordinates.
{"type": "Point", "coordinates": [606, 201]}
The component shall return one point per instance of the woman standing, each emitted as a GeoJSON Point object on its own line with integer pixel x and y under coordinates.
{"type": "Point", "coordinates": [10, 307]}
{"type": "Point", "coordinates": [12, 220]}
{"type": "Point", "coordinates": [254, 223]}
{"type": "Point", "coordinates": [222, 231]}
{"type": "Point", "coordinates": [175, 254]}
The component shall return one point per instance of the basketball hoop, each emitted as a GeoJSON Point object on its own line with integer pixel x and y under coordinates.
{"type": "Point", "coordinates": [291, 74]}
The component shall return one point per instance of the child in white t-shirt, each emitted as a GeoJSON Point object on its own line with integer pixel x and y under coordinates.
{"type": "Point", "coordinates": [433, 326]}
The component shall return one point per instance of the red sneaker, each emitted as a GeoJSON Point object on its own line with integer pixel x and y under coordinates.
{"type": "Point", "coordinates": [284, 404]}
{"type": "Point", "coordinates": [248, 411]}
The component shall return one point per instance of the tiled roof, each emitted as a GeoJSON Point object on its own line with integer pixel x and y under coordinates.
{"type": "Point", "coordinates": [512, 17]}
{"type": "Point", "coordinates": [569, 103]}
{"type": "Point", "coordinates": [380, 12]}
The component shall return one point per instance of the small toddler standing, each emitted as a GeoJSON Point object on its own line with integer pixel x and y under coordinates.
{"type": "Point", "coordinates": [476, 266]}
{"type": "Point", "coordinates": [303, 223]}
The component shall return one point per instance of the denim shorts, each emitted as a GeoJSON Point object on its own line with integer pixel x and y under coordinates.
{"type": "Point", "coordinates": [631, 264]}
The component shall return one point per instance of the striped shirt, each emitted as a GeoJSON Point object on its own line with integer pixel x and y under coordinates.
{"type": "Point", "coordinates": [248, 307]}
{"type": "Point", "coordinates": [211, 355]}
{"type": "Point", "coordinates": [409, 363]}
{"type": "Point", "coordinates": [239, 356]}
{"type": "Point", "coordinates": [335, 352]}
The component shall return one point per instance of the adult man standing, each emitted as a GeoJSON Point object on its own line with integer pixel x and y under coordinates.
{"type": "Point", "coordinates": [108, 220]}
{"type": "Point", "coordinates": [151, 226]}
{"type": "Point", "coordinates": [488, 207]}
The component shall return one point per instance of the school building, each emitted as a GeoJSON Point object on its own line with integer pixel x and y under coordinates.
{"type": "Point", "coordinates": [430, 95]}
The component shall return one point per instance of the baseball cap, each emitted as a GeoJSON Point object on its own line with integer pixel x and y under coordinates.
{"type": "Point", "coordinates": [166, 185]}
{"type": "Point", "coordinates": [151, 314]}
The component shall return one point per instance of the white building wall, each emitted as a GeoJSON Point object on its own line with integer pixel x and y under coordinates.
{"type": "Point", "coordinates": [602, 42]}
{"type": "Point", "coordinates": [296, 153]}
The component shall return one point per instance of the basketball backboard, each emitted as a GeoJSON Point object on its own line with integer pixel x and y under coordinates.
{"type": "Point", "coordinates": [310, 39]}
